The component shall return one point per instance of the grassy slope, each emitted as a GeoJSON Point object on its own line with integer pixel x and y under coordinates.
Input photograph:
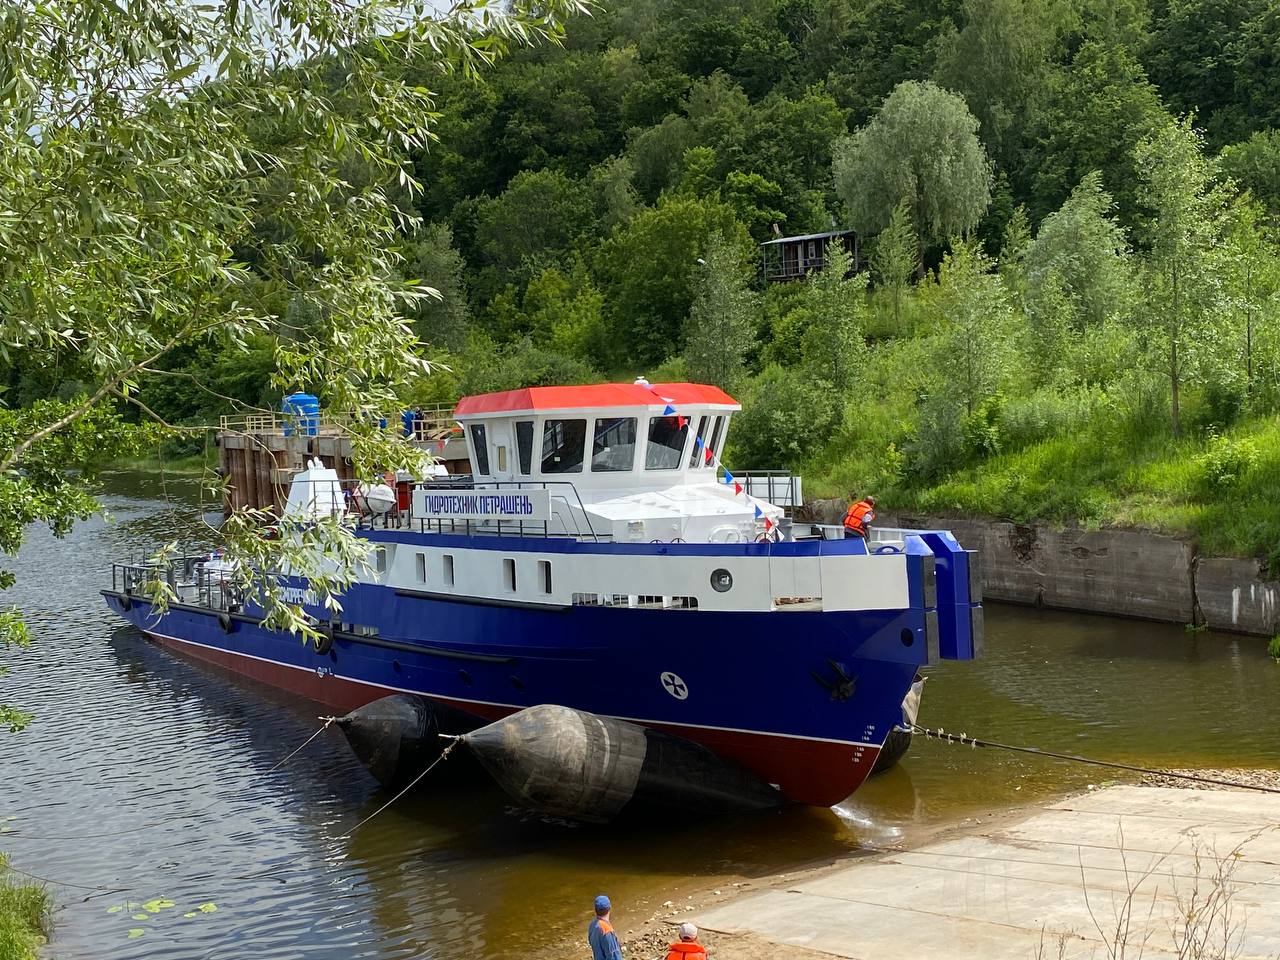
{"type": "Point", "coordinates": [1159, 485]}
{"type": "Point", "coordinates": [24, 912]}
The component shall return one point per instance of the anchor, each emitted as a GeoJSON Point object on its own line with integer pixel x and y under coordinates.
{"type": "Point", "coordinates": [842, 687]}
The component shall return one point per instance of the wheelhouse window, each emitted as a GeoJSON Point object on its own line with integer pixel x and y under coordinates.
{"type": "Point", "coordinates": [480, 448]}
{"type": "Point", "coordinates": [524, 447]}
{"type": "Point", "coordinates": [563, 446]}
{"type": "Point", "coordinates": [698, 456]}
{"type": "Point", "coordinates": [614, 448]}
{"type": "Point", "coordinates": [667, 437]}
{"type": "Point", "coordinates": [717, 435]}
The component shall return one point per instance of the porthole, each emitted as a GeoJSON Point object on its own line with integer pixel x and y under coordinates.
{"type": "Point", "coordinates": [908, 638]}
{"type": "Point", "coordinates": [721, 580]}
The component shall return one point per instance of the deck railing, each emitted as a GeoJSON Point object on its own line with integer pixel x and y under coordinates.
{"type": "Point", "coordinates": [429, 425]}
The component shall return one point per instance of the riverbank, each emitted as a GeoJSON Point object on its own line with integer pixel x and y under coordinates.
{"type": "Point", "coordinates": [1055, 882]}
{"type": "Point", "coordinates": [24, 916]}
{"type": "Point", "coordinates": [1123, 572]}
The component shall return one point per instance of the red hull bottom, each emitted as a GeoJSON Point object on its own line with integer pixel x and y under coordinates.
{"type": "Point", "coordinates": [814, 772]}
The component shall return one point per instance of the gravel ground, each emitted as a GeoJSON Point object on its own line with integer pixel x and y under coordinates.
{"type": "Point", "coordinates": [1245, 777]}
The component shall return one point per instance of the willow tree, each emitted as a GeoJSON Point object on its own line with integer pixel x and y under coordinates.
{"type": "Point", "coordinates": [177, 172]}
{"type": "Point", "coordinates": [922, 147]}
{"type": "Point", "coordinates": [723, 318]}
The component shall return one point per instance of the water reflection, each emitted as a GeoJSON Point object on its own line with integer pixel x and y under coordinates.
{"type": "Point", "coordinates": [130, 740]}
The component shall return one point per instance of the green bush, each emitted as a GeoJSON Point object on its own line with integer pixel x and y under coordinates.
{"type": "Point", "coordinates": [786, 416]}
{"type": "Point", "coordinates": [1273, 647]}
{"type": "Point", "coordinates": [1224, 462]}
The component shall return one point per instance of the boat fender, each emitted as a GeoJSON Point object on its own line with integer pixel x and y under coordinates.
{"type": "Point", "coordinates": [225, 622]}
{"type": "Point", "coordinates": [324, 642]}
{"type": "Point", "coordinates": [126, 601]}
{"type": "Point", "coordinates": [887, 548]}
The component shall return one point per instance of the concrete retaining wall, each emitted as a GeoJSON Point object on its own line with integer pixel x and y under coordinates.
{"type": "Point", "coordinates": [1128, 573]}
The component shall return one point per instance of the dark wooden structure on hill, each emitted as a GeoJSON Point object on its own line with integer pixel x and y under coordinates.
{"type": "Point", "coordinates": [792, 258]}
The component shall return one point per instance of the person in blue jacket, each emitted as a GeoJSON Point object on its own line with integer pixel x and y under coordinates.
{"type": "Point", "coordinates": [600, 935]}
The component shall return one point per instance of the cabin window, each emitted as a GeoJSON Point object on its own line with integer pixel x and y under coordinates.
{"type": "Point", "coordinates": [544, 575]}
{"type": "Point", "coordinates": [697, 456]}
{"type": "Point", "coordinates": [480, 448]}
{"type": "Point", "coordinates": [563, 446]}
{"type": "Point", "coordinates": [666, 442]}
{"type": "Point", "coordinates": [524, 446]}
{"type": "Point", "coordinates": [813, 250]}
{"type": "Point", "coordinates": [502, 459]}
{"type": "Point", "coordinates": [614, 447]}
{"type": "Point", "coordinates": [422, 568]}
{"type": "Point", "coordinates": [716, 431]}
{"type": "Point", "coordinates": [448, 570]}
{"type": "Point", "coordinates": [509, 573]}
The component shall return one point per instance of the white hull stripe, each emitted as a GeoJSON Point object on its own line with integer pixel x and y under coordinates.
{"type": "Point", "coordinates": [510, 706]}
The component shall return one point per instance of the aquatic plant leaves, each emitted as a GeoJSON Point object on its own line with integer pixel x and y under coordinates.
{"type": "Point", "coordinates": [136, 932]}
{"type": "Point", "coordinates": [208, 908]}
{"type": "Point", "coordinates": [142, 916]}
{"type": "Point", "coordinates": [158, 904]}
{"type": "Point", "coordinates": [115, 909]}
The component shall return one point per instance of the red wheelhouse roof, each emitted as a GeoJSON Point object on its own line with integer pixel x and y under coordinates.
{"type": "Point", "coordinates": [537, 399]}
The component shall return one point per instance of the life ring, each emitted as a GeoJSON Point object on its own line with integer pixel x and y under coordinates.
{"type": "Point", "coordinates": [324, 641]}
{"type": "Point", "coordinates": [225, 622]}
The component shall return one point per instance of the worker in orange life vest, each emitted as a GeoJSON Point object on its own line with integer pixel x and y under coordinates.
{"type": "Point", "coordinates": [857, 522]}
{"type": "Point", "coordinates": [600, 935]}
{"type": "Point", "coordinates": [688, 947]}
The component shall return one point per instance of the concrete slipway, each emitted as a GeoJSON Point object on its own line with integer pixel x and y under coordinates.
{"type": "Point", "coordinates": [1018, 891]}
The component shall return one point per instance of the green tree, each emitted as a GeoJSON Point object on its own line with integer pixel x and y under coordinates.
{"type": "Point", "coordinates": [533, 223]}
{"type": "Point", "coordinates": [431, 259]}
{"type": "Point", "coordinates": [1083, 247]}
{"type": "Point", "coordinates": [1194, 54]}
{"type": "Point", "coordinates": [1253, 289]}
{"type": "Point", "coordinates": [921, 147]}
{"type": "Point", "coordinates": [894, 257]}
{"type": "Point", "coordinates": [1094, 114]}
{"type": "Point", "coordinates": [647, 271]}
{"type": "Point", "coordinates": [834, 346]}
{"type": "Point", "coordinates": [174, 171]}
{"type": "Point", "coordinates": [1177, 186]}
{"type": "Point", "coordinates": [1013, 252]}
{"type": "Point", "coordinates": [722, 320]}
{"type": "Point", "coordinates": [999, 61]}
{"type": "Point", "coordinates": [974, 348]}
{"type": "Point", "coordinates": [1254, 165]}
{"type": "Point", "coordinates": [786, 416]}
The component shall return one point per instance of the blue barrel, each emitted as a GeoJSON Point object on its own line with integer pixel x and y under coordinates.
{"type": "Point", "coordinates": [302, 411]}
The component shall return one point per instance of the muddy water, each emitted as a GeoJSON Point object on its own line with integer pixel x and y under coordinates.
{"type": "Point", "coordinates": [129, 740]}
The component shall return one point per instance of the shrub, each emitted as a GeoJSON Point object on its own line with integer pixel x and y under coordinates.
{"type": "Point", "coordinates": [1273, 647]}
{"type": "Point", "coordinates": [1224, 462]}
{"type": "Point", "coordinates": [785, 417]}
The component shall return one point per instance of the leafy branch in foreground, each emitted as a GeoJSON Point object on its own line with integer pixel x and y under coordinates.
{"type": "Point", "coordinates": [177, 173]}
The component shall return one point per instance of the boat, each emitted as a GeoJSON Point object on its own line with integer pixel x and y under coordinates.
{"type": "Point", "coordinates": [600, 556]}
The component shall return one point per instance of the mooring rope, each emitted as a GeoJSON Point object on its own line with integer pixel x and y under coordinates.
{"type": "Point", "coordinates": [185, 815]}
{"type": "Point", "coordinates": [347, 833]}
{"type": "Point", "coordinates": [964, 739]}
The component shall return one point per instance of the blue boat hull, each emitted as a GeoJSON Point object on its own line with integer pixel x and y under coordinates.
{"type": "Point", "coordinates": [771, 691]}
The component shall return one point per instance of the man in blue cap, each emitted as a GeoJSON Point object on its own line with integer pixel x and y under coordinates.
{"type": "Point", "coordinates": [600, 935]}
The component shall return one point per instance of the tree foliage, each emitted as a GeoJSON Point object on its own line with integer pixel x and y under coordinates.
{"type": "Point", "coordinates": [722, 322]}
{"type": "Point", "coordinates": [921, 147]}
{"type": "Point", "coordinates": [178, 172]}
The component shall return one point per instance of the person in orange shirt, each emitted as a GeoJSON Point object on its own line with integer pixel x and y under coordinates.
{"type": "Point", "coordinates": [857, 522]}
{"type": "Point", "coordinates": [688, 947]}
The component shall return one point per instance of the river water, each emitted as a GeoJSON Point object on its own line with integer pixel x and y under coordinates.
{"type": "Point", "coordinates": [152, 777]}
